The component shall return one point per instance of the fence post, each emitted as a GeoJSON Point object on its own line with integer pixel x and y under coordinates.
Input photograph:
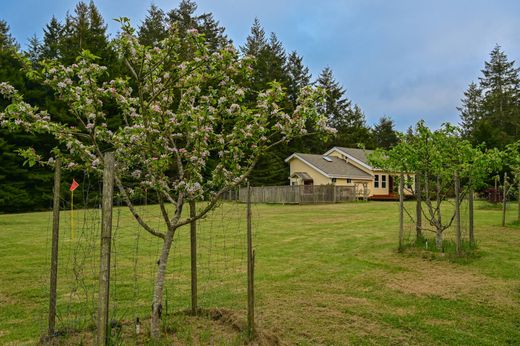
{"type": "Point", "coordinates": [250, 271]}
{"type": "Point", "coordinates": [54, 251]}
{"type": "Point", "coordinates": [504, 201]}
{"type": "Point", "coordinates": [471, 215]}
{"type": "Point", "coordinates": [418, 207]}
{"type": "Point", "coordinates": [401, 211]}
{"type": "Point", "coordinates": [458, 236]}
{"type": "Point", "coordinates": [106, 240]}
{"type": "Point", "coordinates": [193, 240]}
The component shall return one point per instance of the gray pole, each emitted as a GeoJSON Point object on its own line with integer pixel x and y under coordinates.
{"type": "Point", "coordinates": [401, 211]}
{"type": "Point", "coordinates": [193, 240]}
{"type": "Point", "coordinates": [418, 207]}
{"type": "Point", "coordinates": [54, 252]}
{"type": "Point", "coordinates": [106, 240]}
{"type": "Point", "coordinates": [471, 215]}
{"type": "Point", "coordinates": [458, 236]}
{"type": "Point", "coordinates": [250, 271]}
{"type": "Point", "coordinates": [504, 201]}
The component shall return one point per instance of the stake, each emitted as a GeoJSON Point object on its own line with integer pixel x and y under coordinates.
{"type": "Point", "coordinates": [250, 271]}
{"type": "Point", "coordinates": [401, 211]}
{"type": "Point", "coordinates": [54, 252]}
{"type": "Point", "coordinates": [193, 239]}
{"type": "Point", "coordinates": [504, 201]}
{"type": "Point", "coordinates": [458, 236]}
{"type": "Point", "coordinates": [418, 207]}
{"type": "Point", "coordinates": [72, 235]}
{"type": "Point", "coordinates": [106, 240]}
{"type": "Point", "coordinates": [471, 217]}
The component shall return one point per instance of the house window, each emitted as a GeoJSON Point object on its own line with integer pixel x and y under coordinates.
{"type": "Point", "coordinates": [349, 181]}
{"type": "Point", "coordinates": [376, 181]}
{"type": "Point", "coordinates": [333, 180]}
{"type": "Point", "coordinates": [383, 181]}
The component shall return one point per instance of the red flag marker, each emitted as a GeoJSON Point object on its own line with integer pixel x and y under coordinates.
{"type": "Point", "coordinates": [74, 185]}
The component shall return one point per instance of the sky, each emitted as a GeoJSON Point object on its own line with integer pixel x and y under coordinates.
{"type": "Point", "coordinates": [406, 59]}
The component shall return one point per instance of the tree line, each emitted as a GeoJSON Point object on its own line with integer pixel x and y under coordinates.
{"type": "Point", "coordinates": [489, 110]}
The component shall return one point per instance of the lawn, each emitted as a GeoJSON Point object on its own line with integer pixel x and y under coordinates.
{"type": "Point", "coordinates": [325, 275]}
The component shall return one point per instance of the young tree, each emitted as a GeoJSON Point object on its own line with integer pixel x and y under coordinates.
{"type": "Point", "coordinates": [439, 157]}
{"type": "Point", "coordinates": [181, 137]}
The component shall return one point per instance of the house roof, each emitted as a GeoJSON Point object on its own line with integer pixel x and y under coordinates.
{"type": "Point", "coordinates": [358, 154]}
{"type": "Point", "coordinates": [332, 167]}
{"type": "Point", "coordinates": [303, 176]}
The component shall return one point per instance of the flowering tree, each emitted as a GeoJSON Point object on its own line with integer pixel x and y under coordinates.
{"type": "Point", "coordinates": [186, 132]}
{"type": "Point", "coordinates": [439, 158]}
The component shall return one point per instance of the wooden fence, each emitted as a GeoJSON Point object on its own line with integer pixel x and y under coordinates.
{"type": "Point", "coordinates": [298, 194]}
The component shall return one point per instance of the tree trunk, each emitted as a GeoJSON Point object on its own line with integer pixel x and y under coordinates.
{"type": "Point", "coordinates": [471, 216]}
{"type": "Point", "coordinates": [458, 236]}
{"type": "Point", "coordinates": [418, 207]}
{"type": "Point", "coordinates": [159, 286]}
{"type": "Point", "coordinates": [438, 239]}
{"type": "Point", "coordinates": [504, 201]}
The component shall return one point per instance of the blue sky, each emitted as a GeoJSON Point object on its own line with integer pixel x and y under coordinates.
{"type": "Point", "coordinates": [406, 59]}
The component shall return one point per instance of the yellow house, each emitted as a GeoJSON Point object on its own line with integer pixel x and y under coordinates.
{"type": "Point", "coordinates": [343, 167]}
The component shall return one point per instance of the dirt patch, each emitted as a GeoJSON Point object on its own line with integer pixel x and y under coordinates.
{"type": "Point", "coordinates": [210, 326]}
{"type": "Point", "coordinates": [451, 282]}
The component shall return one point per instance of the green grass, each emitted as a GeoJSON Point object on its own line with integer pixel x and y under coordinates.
{"type": "Point", "coordinates": [326, 274]}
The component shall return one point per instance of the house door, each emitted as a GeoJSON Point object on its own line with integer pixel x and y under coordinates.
{"type": "Point", "coordinates": [390, 184]}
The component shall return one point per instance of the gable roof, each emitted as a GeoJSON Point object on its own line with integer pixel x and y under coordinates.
{"type": "Point", "coordinates": [358, 155]}
{"type": "Point", "coordinates": [332, 167]}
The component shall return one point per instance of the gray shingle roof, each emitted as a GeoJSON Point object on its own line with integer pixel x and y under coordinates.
{"type": "Point", "coordinates": [359, 154]}
{"type": "Point", "coordinates": [336, 167]}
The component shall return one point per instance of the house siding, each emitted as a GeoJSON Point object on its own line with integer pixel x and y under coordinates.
{"type": "Point", "coordinates": [298, 165]}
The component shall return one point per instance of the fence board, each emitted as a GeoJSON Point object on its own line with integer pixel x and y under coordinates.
{"type": "Point", "coordinates": [297, 194]}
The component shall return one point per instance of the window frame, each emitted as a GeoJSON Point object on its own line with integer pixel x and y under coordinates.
{"type": "Point", "coordinates": [376, 181]}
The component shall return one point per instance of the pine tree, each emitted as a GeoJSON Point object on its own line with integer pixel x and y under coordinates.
{"type": "Point", "coordinates": [184, 18]}
{"type": "Point", "coordinates": [299, 75]}
{"type": "Point", "coordinates": [52, 35]}
{"type": "Point", "coordinates": [384, 133]}
{"type": "Point", "coordinates": [85, 30]}
{"type": "Point", "coordinates": [471, 109]}
{"type": "Point", "coordinates": [256, 41]}
{"type": "Point", "coordinates": [6, 40]}
{"type": "Point", "coordinates": [153, 29]}
{"type": "Point", "coordinates": [348, 120]}
{"type": "Point", "coordinates": [34, 50]}
{"type": "Point", "coordinates": [490, 112]}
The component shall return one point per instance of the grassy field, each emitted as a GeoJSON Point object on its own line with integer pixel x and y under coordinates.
{"type": "Point", "coordinates": [325, 275]}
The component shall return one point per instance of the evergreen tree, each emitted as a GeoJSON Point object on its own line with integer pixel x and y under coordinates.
{"type": "Point", "coordinates": [20, 189]}
{"type": "Point", "coordinates": [470, 111]}
{"type": "Point", "coordinates": [256, 41]}
{"type": "Point", "coordinates": [52, 35]}
{"type": "Point", "coordinates": [153, 29]}
{"type": "Point", "coordinates": [184, 18]}
{"type": "Point", "coordinates": [299, 75]}
{"type": "Point", "coordinates": [6, 40]}
{"type": "Point", "coordinates": [85, 30]}
{"type": "Point", "coordinates": [348, 120]}
{"type": "Point", "coordinates": [384, 133]}
{"type": "Point", "coordinates": [337, 106]}
{"type": "Point", "coordinates": [490, 113]}
{"type": "Point", "coordinates": [34, 50]}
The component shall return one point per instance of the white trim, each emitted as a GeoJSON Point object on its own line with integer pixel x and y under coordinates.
{"type": "Point", "coordinates": [350, 157]}
{"type": "Point", "coordinates": [295, 155]}
{"type": "Point", "coordinates": [307, 162]}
